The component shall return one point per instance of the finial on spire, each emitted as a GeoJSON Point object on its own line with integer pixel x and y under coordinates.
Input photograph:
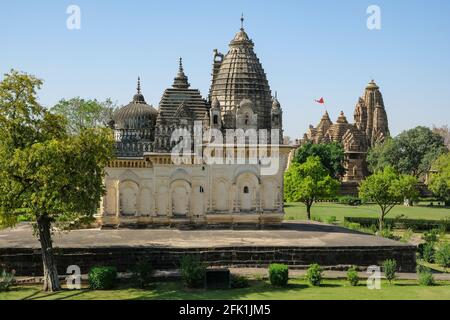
{"type": "Point", "coordinates": [276, 95]}
{"type": "Point", "coordinates": [181, 65]}
{"type": "Point", "coordinates": [242, 22]}
{"type": "Point", "coordinates": [139, 85]}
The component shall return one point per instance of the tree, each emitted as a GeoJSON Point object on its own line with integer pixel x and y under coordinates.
{"type": "Point", "coordinates": [444, 132]}
{"type": "Point", "coordinates": [439, 182]}
{"type": "Point", "coordinates": [412, 152]}
{"type": "Point", "coordinates": [308, 182]}
{"type": "Point", "coordinates": [331, 156]}
{"type": "Point", "coordinates": [388, 188]}
{"type": "Point", "coordinates": [54, 178]}
{"type": "Point", "coordinates": [82, 114]}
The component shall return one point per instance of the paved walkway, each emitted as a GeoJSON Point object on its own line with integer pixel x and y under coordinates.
{"type": "Point", "coordinates": [304, 234]}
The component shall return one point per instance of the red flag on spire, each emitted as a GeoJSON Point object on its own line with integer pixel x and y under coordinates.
{"type": "Point", "coordinates": [320, 101]}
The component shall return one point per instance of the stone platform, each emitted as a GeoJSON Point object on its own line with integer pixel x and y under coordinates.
{"type": "Point", "coordinates": [296, 244]}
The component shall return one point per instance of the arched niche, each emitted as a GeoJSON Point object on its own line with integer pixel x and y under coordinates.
{"type": "Point", "coordinates": [128, 197]}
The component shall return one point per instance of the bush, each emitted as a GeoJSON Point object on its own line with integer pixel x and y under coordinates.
{"type": "Point", "coordinates": [238, 281]}
{"type": "Point", "coordinates": [314, 274]}
{"type": "Point", "coordinates": [6, 280]}
{"type": "Point", "coordinates": [278, 274]}
{"type": "Point", "coordinates": [316, 219]}
{"type": "Point", "coordinates": [426, 252]}
{"type": "Point", "coordinates": [425, 276]}
{"type": "Point", "coordinates": [431, 236]}
{"type": "Point", "coordinates": [350, 201]}
{"type": "Point", "coordinates": [352, 276]}
{"type": "Point", "coordinates": [388, 233]}
{"type": "Point", "coordinates": [102, 278]}
{"type": "Point", "coordinates": [193, 272]}
{"type": "Point", "coordinates": [142, 274]}
{"type": "Point", "coordinates": [407, 235]}
{"type": "Point", "coordinates": [390, 268]}
{"type": "Point", "coordinates": [331, 220]}
{"type": "Point", "coordinates": [442, 255]}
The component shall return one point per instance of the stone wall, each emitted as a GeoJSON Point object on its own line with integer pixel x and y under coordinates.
{"type": "Point", "coordinates": [27, 262]}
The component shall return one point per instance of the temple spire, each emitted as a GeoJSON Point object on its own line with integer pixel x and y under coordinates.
{"type": "Point", "coordinates": [181, 80]}
{"type": "Point", "coordinates": [242, 22]}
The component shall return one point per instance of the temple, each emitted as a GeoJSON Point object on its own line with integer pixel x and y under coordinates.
{"type": "Point", "coordinates": [369, 128]}
{"type": "Point", "coordinates": [145, 187]}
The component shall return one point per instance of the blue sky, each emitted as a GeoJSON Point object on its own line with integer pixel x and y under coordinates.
{"type": "Point", "coordinates": [308, 49]}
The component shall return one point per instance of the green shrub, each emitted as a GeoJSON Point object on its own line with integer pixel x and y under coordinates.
{"type": "Point", "coordinates": [193, 272]}
{"type": "Point", "coordinates": [6, 280]}
{"type": "Point", "coordinates": [431, 236]}
{"type": "Point", "coordinates": [350, 201]}
{"type": "Point", "coordinates": [314, 274]}
{"type": "Point", "coordinates": [102, 278]}
{"type": "Point", "coordinates": [388, 233]}
{"type": "Point", "coordinates": [426, 252]}
{"type": "Point", "coordinates": [331, 220]}
{"type": "Point", "coordinates": [238, 281]}
{"type": "Point", "coordinates": [278, 274]}
{"type": "Point", "coordinates": [352, 276]}
{"type": "Point", "coordinates": [317, 219]}
{"type": "Point", "coordinates": [442, 254]}
{"type": "Point", "coordinates": [390, 268]}
{"type": "Point", "coordinates": [425, 277]}
{"type": "Point", "coordinates": [407, 235]}
{"type": "Point", "coordinates": [141, 274]}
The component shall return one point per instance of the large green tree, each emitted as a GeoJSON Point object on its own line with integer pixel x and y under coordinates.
{"type": "Point", "coordinates": [412, 152]}
{"type": "Point", "coordinates": [440, 180]}
{"type": "Point", "coordinates": [84, 114]}
{"type": "Point", "coordinates": [331, 155]}
{"type": "Point", "coordinates": [46, 174]}
{"type": "Point", "coordinates": [387, 188]}
{"type": "Point", "coordinates": [307, 182]}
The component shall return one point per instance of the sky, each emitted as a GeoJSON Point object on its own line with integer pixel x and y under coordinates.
{"type": "Point", "coordinates": [308, 49]}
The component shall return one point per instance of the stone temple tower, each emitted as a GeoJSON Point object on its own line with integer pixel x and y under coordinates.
{"type": "Point", "coordinates": [238, 77]}
{"type": "Point", "coordinates": [370, 115]}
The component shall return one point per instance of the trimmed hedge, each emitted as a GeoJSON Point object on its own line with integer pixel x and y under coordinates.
{"type": "Point", "coordinates": [278, 274]}
{"type": "Point", "coordinates": [102, 278]}
{"type": "Point", "coordinates": [415, 224]}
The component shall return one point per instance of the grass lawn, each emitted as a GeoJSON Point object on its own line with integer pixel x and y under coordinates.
{"type": "Point", "coordinates": [297, 211]}
{"type": "Point", "coordinates": [297, 289]}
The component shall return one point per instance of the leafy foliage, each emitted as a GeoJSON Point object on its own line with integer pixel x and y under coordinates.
{"type": "Point", "coordinates": [308, 182]}
{"type": "Point", "coordinates": [440, 181]}
{"type": "Point", "coordinates": [7, 279]}
{"type": "Point", "coordinates": [193, 271]}
{"type": "Point", "coordinates": [85, 114]}
{"type": "Point", "coordinates": [314, 274]}
{"type": "Point", "coordinates": [387, 188]}
{"type": "Point", "coordinates": [412, 152]}
{"type": "Point", "coordinates": [331, 156]}
{"type": "Point", "coordinates": [142, 274]}
{"type": "Point", "coordinates": [239, 282]}
{"type": "Point", "coordinates": [442, 255]}
{"type": "Point", "coordinates": [278, 274]}
{"type": "Point", "coordinates": [45, 174]}
{"type": "Point", "coordinates": [352, 276]}
{"type": "Point", "coordinates": [102, 278]}
{"type": "Point", "coordinates": [390, 269]}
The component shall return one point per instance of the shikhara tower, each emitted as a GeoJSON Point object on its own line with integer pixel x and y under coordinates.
{"type": "Point", "coordinates": [145, 187]}
{"type": "Point", "coordinates": [370, 127]}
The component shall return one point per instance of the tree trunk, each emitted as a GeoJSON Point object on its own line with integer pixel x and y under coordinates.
{"type": "Point", "coordinates": [51, 281]}
{"type": "Point", "coordinates": [381, 223]}
{"type": "Point", "coordinates": [308, 211]}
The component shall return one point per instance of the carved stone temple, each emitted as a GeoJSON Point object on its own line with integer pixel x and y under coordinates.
{"type": "Point", "coordinates": [145, 187]}
{"type": "Point", "coordinates": [369, 128]}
